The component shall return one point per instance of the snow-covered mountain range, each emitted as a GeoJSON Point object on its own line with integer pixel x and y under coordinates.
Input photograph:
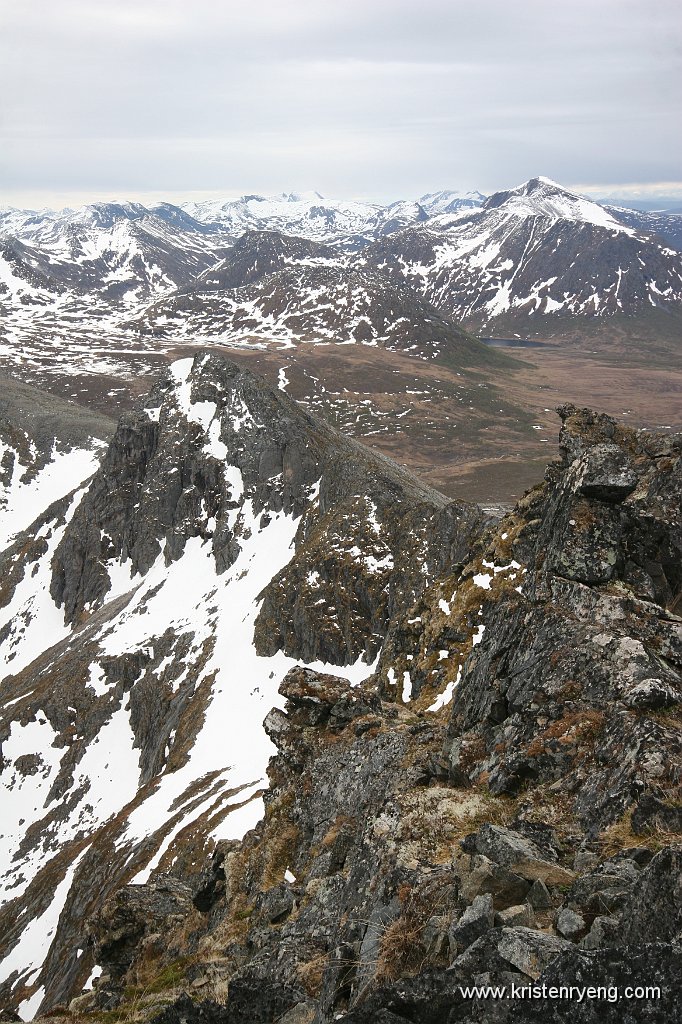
{"type": "Point", "coordinates": [534, 249]}
{"type": "Point", "coordinates": [107, 293]}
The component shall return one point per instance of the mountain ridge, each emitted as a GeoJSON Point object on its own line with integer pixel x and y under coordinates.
{"type": "Point", "coordinates": [214, 484]}
{"type": "Point", "coordinates": [493, 794]}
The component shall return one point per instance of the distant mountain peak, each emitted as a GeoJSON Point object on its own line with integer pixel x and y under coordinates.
{"type": "Point", "coordinates": [448, 201]}
{"type": "Point", "coordinates": [301, 197]}
{"type": "Point", "coordinates": [544, 180]}
{"type": "Point", "coordinates": [543, 197]}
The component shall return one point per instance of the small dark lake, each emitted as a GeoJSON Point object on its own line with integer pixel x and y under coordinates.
{"type": "Point", "coordinates": [512, 343]}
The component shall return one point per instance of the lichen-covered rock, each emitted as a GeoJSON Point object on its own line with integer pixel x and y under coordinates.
{"type": "Point", "coordinates": [569, 924]}
{"type": "Point", "coordinates": [528, 950]}
{"type": "Point", "coordinates": [605, 472]}
{"type": "Point", "coordinates": [514, 851]}
{"type": "Point", "coordinates": [521, 915]}
{"type": "Point", "coordinates": [605, 931]}
{"type": "Point", "coordinates": [131, 914]}
{"type": "Point", "coordinates": [610, 974]}
{"type": "Point", "coordinates": [479, 874]}
{"type": "Point", "coordinates": [539, 896]}
{"type": "Point", "coordinates": [474, 922]}
{"type": "Point", "coordinates": [653, 911]}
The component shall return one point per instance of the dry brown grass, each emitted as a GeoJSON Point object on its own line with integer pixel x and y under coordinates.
{"type": "Point", "coordinates": [472, 751]}
{"type": "Point", "coordinates": [620, 836]}
{"type": "Point", "coordinates": [279, 854]}
{"type": "Point", "coordinates": [332, 835]}
{"type": "Point", "coordinates": [311, 974]}
{"type": "Point", "coordinates": [401, 949]}
{"type": "Point", "coordinates": [573, 728]}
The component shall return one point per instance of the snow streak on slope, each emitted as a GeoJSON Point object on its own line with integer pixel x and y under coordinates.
{"type": "Point", "coordinates": [30, 622]}
{"type": "Point", "coordinates": [188, 629]}
{"type": "Point", "coordinates": [24, 490]}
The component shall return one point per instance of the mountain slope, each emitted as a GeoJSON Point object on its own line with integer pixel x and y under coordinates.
{"type": "Point", "coordinates": [667, 226]}
{"type": "Point", "coordinates": [316, 304]}
{"type": "Point", "coordinates": [119, 251]}
{"type": "Point", "coordinates": [146, 621]}
{"type": "Point", "coordinates": [47, 448]}
{"type": "Point", "coordinates": [537, 250]}
{"type": "Point", "coordinates": [259, 253]}
{"type": "Point", "coordinates": [26, 275]}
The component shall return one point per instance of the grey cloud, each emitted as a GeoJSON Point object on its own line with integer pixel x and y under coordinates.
{"type": "Point", "coordinates": [373, 97]}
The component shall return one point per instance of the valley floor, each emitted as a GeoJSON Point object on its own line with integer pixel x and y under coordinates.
{"type": "Point", "coordinates": [482, 434]}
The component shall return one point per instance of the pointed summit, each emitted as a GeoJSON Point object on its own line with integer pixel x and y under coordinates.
{"type": "Point", "coordinates": [542, 197]}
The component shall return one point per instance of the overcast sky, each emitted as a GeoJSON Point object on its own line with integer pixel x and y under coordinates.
{"type": "Point", "coordinates": [376, 99]}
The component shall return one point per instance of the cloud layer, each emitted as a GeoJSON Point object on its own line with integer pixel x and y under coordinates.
{"type": "Point", "coordinates": [376, 98]}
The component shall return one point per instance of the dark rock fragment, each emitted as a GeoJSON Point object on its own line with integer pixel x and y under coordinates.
{"type": "Point", "coordinates": [605, 931]}
{"type": "Point", "coordinates": [605, 473]}
{"type": "Point", "coordinates": [474, 922]}
{"type": "Point", "coordinates": [654, 965]}
{"type": "Point", "coordinates": [478, 874]}
{"type": "Point", "coordinates": [539, 897]}
{"type": "Point", "coordinates": [653, 813]}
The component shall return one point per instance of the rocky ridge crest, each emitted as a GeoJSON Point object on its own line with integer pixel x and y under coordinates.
{"type": "Point", "coordinates": [498, 803]}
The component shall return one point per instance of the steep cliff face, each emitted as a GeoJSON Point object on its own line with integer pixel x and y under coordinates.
{"type": "Point", "coordinates": [47, 448]}
{"type": "Point", "coordinates": [150, 616]}
{"type": "Point", "coordinates": [368, 534]}
{"type": "Point", "coordinates": [497, 804]}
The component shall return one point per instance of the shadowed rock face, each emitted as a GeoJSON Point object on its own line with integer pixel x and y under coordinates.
{"type": "Point", "coordinates": [506, 814]}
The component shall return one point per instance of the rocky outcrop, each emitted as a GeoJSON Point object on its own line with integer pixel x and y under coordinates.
{"type": "Point", "coordinates": [42, 421]}
{"type": "Point", "coordinates": [364, 896]}
{"type": "Point", "coordinates": [162, 483]}
{"type": "Point", "coordinates": [495, 804]}
{"type": "Point", "coordinates": [576, 684]}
